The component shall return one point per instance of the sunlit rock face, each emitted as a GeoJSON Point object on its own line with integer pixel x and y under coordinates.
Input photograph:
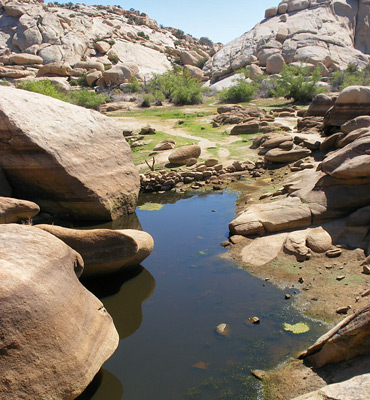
{"type": "Point", "coordinates": [334, 33]}
{"type": "Point", "coordinates": [54, 334]}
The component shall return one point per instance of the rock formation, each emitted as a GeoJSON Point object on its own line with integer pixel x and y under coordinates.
{"type": "Point", "coordinates": [14, 210]}
{"type": "Point", "coordinates": [105, 251]}
{"type": "Point", "coordinates": [347, 340]}
{"type": "Point", "coordinates": [334, 33]}
{"type": "Point", "coordinates": [54, 334]}
{"type": "Point", "coordinates": [65, 158]}
{"type": "Point", "coordinates": [54, 39]}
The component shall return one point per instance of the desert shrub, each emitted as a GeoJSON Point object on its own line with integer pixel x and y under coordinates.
{"type": "Point", "coordinates": [242, 92]}
{"type": "Point", "coordinates": [177, 86]}
{"type": "Point", "coordinates": [352, 75]}
{"type": "Point", "coordinates": [298, 83]}
{"type": "Point", "coordinates": [143, 35]}
{"type": "Point", "coordinates": [81, 97]}
{"type": "Point", "coordinates": [134, 86]}
{"type": "Point", "coordinates": [206, 41]}
{"type": "Point", "coordinates": [4, 82]}
{"type": "Point", "coordinates": [43, 87]}
{"type": "Point", "coordinates": [80, 81]}
{"type": "Point", "coordinates": [179, 34]}
{"type": "Point", "coordinates": [111, 42]}
{"type": "Point", "coordinates": [87, 98]}
{"type": "Point", "coordinates": [147, 100]}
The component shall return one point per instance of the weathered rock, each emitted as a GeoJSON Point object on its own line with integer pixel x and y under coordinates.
{"type": "Point", "coordinates": [101, 46]}
{"type": "Point", "coordinates": [182, 155]}
{"type": "Point", "coordinates": [103, 250]}
{"type": "Point", "coordinates": [356, 388]}
{"type": "Point", "coordinates": [48, 151]}
{"type": "Point", "coordinates": [283, 156]}
{"type": "Point", "coordinates": [275, 64]}
{"type": "Point", "coordinates": [333, 34]}
{"type": "Point", "coordinates": [188, 58]}
{"type": "Point", "coordinates": [118, 74]}
{"type": "Point", "coordinates": [58, 68]}
{"type": "Point", "coordinates": [263, 250]}
{"type": "Point", "coordinates": [195, 72]}
{"type": "Point", "coordinates": [272, 217]}
{"type": "Point", "coordinates": [347, 340]}
{"type": "Point", "coordinates": [320, 105]}
{"type": "Point", "coordinates": [353, 101]}
{"type": "Point", "coordinates": [350, 162]}
{"type": "Point", "coordinates": [48, 319]}
{"type": "Point", "coordinates": [359, 122]}
{"type": "Point", "coordinates": [90, 65]}
{"type": "Point", "coordinates": [245, 129]}
{"type": "Point", "coordinates": [24, 59]}
{"type": "Point", "coordinates": [318, 240]}
{"type": "Point", "coordinates": [166, 144]}
{"type": "Point", "coordinates": [296, 244]}
{"type": "Point", "coordinates": [93, 77]}
{"type": "Point", "coordinates": [14, 210]}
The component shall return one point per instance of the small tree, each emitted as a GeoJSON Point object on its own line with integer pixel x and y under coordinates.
{"type": "Point", "coordinates": [298, 83]}
{"type": "Point", "coordinates": [352, 75]}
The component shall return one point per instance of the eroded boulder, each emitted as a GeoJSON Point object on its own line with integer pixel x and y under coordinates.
{"type": "Point", "coordinates": [67, 159]}
{"type": "Point", "coordinates": [55, 334]}
{"type": "Point", "coordinates": [184, 154]}
{"type": "Point", "coordinates": [105, 251]}
{"type": "Point", "coordinates": [347, 340]}
{"type": "Point", "coordinates": [14, 210]}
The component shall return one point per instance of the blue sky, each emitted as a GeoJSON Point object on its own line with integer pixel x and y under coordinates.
{"type": "Point", "coordinates": [220, 20]}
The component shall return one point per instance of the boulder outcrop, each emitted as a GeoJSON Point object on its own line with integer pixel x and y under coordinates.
{"type": "Point", "coordinates": [347, 340]}
{"type": "Point", "coordinates": [105, 251]}
{"type": "Point", "coordinates": [67, 159]}
{"type": "Point", "coordinates": [334, 33]}
{"type": "Point", "coordinates": [185, 154]}
{"type": "Point", "coordinates": [54, 334]}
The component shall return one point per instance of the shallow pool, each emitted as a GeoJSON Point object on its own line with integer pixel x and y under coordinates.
{"type": "Point", "coordinates": [167, 312]}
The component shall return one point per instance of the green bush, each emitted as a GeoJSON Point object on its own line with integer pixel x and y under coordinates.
{"type": "Point", "coordinates": [243, 92]}
{"type": "Point", "coordinates": [298, 83]}
{"type": "Point", "coordinates": [177, 86]}
{"type": "Point", "coordinates": [201, 62]}
{"type": "Point", "coordinates": [80, 81]}
{"type": "Point", "coordinates": [4, 82]}
{"type": "Point", "coordinates": [352, 75]}
{"type": "Point", "coordinates": [147, 100]}
{"type": "Point", "coordinates": [134, 86]}
{"type": "Point", "coordinates": [81, 97]}
{"type": "Point", "coordinates": [143, 35]}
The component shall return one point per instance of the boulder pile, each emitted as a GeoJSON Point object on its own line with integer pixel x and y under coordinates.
{"type": "Point", "coordinates": [335, 33]}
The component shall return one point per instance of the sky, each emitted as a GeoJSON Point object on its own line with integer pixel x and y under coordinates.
{"type": "Point", "coordinates": [219, 20]}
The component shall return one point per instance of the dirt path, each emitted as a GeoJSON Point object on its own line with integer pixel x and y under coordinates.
{"type": "Point", "coordinates": [167, 126]}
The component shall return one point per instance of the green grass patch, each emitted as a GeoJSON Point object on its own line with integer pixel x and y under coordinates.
{"type": "Point", "coordinates": [80, 97]}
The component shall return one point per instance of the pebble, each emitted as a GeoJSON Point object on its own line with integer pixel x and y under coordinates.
{"type": "Point", "coordinates": [366, 270]}
{"type": "Point", "coordinates": [333, 253]}
{"type": "Point", "coordinates": [254, 320]}
{"type": "Point", "coordinates": [343, 310]}
{"type": "Point", "coordinates": [287, 296]}
{"type": "Point", "coordinates": [225, 243]}
{"type": "Point", "coordinates": [259, 374]}
{"type": "Point", "coordinates": [222, 329]}
{"type": "Point", "coordinates": [341, 277]}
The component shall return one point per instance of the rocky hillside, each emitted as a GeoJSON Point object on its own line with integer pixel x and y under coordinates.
{"type": "Point", "coordinates": [333, 32]}
{"type": "Point", "coordinates": [74, 34]}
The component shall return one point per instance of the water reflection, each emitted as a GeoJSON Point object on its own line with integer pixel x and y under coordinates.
{"type": "Point", "coordinates": [103, 387]}
{"type": "Point", "coordinates": [127, 292]}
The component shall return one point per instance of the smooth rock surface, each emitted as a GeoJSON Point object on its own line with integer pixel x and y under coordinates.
{"type": "Point", "coordinates": [14, 210]}
{"type": "Point", "coordinates": [182, 155]}
{"type": "Point", "coordinates": [55, 335]}
{"type": "Point", "coordinates": [103, 250]}
{"type": "Point", "coordinates": [67, 159]}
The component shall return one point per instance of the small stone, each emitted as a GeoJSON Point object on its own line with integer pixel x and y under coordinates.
{"type": "Point", "coordinates": [236, 239]}
{"type": "Point", "coordinates": [365, 293]}
{"type": "Point", "coordinates": [259, 374]}
{"type": "Point", "coordinates": [333, 253]}
{"type": "Point", "coordinates": [340, 277]}
{"type": "Point", "coordinates": [254, 320]}
{"type": "Point", "coordinates": [225, 243]}
{"type": "Point", "coordinates": [287, 296]}
{"type": "Point", "coordinates": [366, 270]}
{"type": "Point", "coordinates": [223, 329]}
{"type": "Point", "coordinates": [343, 310]}
{"type": "Point", "coordinates": [300, 280]}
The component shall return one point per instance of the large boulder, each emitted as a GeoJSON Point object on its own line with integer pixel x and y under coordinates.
{"type": "Point", "coordinates": [14, 210]}
{"type": "Point", "coordinates": [350, 162]}
{"type": "Point", "coordinates": [184, 154]}
{"type": "Point", "coordinates": [55, 335]}
{"type": "Point", "coordinates": [357, 388]}
{"type": "Point", "coordinates": [69, 160]}
{"type": "Point", "coordinates": [116, 75]}
{"type": "Point", "coordinates": [281, 215]}
{"type": "Point", "coordinates": [24, 59]}
{"type": "Point", "coordinates": [104, 250]}
{"type": "Point", "coordinates": [279, 155]}
{"type": "Point", "coordinates": [352, 102]}
{"type": "Point", "coordinates": [320, 105]}
{"type": "Point", "coordinates": [347, 340]}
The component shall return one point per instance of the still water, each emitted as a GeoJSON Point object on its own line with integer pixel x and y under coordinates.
{"type": "Point", "coordinates": [167, 312]}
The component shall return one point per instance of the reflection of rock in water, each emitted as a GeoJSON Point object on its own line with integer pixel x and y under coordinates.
{"type": "Point", "coordinates": [125, 306]}
{"type": "Point", "coordinates": [127, 291]}
{"type": "Point", "coordinates": [130, 221]}
{"type": "Point", "coordinates": [104, 386]}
